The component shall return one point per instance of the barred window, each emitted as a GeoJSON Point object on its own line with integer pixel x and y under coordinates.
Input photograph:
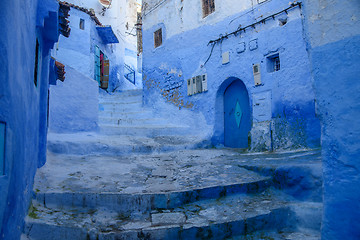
{"type": "Point", "coordinates": [158, 38]}
{"type": "Point", "coordinates": [208, 7]}
{"type": "Point", "coordinates": [273, 63]}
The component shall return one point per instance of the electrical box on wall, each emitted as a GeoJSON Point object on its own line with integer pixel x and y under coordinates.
{"type": "Point", "coordinates": [225, 57]}
{"type": "Point", "coordinates": [257, 74]}
{"type": "Point", "coordinates": [197, 84]}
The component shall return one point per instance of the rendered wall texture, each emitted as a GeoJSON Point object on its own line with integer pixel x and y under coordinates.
{"type": "Point", "coordinates": [333, 34]}
{"type": "Point", "coordinates": [290, 120]}
{"type": "Point", "coordinates": [74, 103]}
{"type": "Point", "coordinates": [22, 104]}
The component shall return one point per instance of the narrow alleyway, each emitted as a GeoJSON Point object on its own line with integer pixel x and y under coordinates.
{"type": "Point", "coordinates": [138, 178]}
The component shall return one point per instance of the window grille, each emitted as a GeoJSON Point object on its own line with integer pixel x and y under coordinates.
{"type": "Point", "coordinates": [276, 63]}
{"type": "Point", "coordinates": [208, 7]}
{"type": "Point", "coordinates": [158, 38]}
{"type": "Point", "coordinates": [273, 63]}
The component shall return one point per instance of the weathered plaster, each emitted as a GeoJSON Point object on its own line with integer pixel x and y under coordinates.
{"type": "Point", "coordinates": [334, 48]}
{"type": "Point", "coordinates": [71, 111]}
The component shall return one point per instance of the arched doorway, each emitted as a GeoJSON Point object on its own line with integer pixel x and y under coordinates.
{"type": "Point", "coordinates": [237, 122]}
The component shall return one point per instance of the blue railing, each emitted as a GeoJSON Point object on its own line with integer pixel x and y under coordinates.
{"type": "Point", "coordinates": [130, 75]}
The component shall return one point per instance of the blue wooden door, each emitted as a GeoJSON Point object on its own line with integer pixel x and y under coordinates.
{"type": "Point", "coordinates": [236, 115]}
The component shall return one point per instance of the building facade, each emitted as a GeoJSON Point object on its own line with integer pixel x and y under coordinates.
{"type": "Point", "coordinates": [121, 16]}
{"type": "Point", "coordinates": [90, 62]}
{"type": "Point", "coordinates": [244, 67]}
{"type": "Point", "coordinates": [333, 38]}
{"type": "Point", "coordinates": [29, 31]}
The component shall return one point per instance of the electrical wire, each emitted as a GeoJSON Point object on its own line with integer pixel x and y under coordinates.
{"type": "Point", "coordinates": [239, 29]}
{"type": "Point", "coordinates": [212, 49]}
{"type": "Point", "coordinates": [263, 20]}
{"type": "Point", "coordinates": [155, 7]}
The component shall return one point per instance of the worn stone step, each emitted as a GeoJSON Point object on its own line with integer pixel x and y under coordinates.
{"type": "Point", "coordinates": [122, 145]}
{"type": "Point", "coordinates": [127, 203]}
{"type": "Point", "coordinates": [148, 130]}
{"type": "Point", "coordinates": [166, 180]}
{"type": "Point", "coordinates": [126, 93]}
{"type": "Point", "coordinates": [120, 99]}
{"type": "Point", "coordinates": [298, 234]}
{"type": "Point", "coordinates": [131, 121]}
{"type": "Point", "coordinates": [133, 114]}
{"type": "Point", "coordinates": [211, 219]}
{"type": "Point", "coordinates": [120, 107]}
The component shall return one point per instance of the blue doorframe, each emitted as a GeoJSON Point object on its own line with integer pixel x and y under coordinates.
{"type": "Point", "coordinates": [237, 118]}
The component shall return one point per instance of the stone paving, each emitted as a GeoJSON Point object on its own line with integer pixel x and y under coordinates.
{"type": "Point", "coordinates": [208, 194]}
{"type": "Point", "coordinates": [175, 171]}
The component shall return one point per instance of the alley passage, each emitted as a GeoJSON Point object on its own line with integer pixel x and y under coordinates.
{"type": "Point", "coordinates": [138, 179]}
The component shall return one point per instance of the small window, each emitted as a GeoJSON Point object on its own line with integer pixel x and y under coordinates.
{"type": "Point", "coordinates": [36, 62]}
{"type": "Point", "coordinates": [273, 63]}
{"type": "Point", "coordinates": [158, 38]}
{"type": "Point", "coordinates": [208, 7]}
{"type": "Point", "coordinates": [82, 24]}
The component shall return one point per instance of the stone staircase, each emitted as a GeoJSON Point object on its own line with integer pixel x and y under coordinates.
{"type": "Point", "coordinates": [126, 127]}
{"type": "Point", "coordinates": [109, 186]}
{"type": "Point", "coordinates": [123, 114]}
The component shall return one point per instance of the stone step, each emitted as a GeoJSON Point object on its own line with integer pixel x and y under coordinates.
{"type": "Point", "coordinates": [122, 145]}
{"type": "Point", "coordinates": [120, 107]}
{"type": "Point", "coordinates": [211, 219]}
{"type": "Point", "coordinates": [117, 121]}
{"type": "Point", "coordinates": [133, 114]}
{"type": "Point", "coordinates": [298, 234]}
{"type": "Point", "coordinates": [149, 130]}
{"type": "Point", "coordinates": [126, 93]}
{"type": "Point", "coordinates": [120, 99]}
{"type": "Point", "coordinates": [128, 203]}
{"type": "Point", "coordinates": [166, 180]}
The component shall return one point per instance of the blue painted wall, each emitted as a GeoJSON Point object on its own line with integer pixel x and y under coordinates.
{"type": "Point", "coordinates": [74, 102]}
{"type": "Point", "coordinates": [292, 122]}
{"type": "Point", "coordinates": [78, 50]}
{"type": "Point", "coordinates": [333, 36]}
{"type": "Point", "coordinates": [22, 104]}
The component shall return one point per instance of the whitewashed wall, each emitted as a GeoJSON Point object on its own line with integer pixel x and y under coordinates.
{"type": "Point", "coordinates": [180, 16]}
